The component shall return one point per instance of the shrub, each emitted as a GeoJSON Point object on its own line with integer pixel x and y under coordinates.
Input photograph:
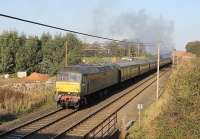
{"type": "Point", "coordinates": [179, 116]}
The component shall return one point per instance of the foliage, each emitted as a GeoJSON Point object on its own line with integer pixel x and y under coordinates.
{"type": "Point", "coordinates": [178, 115]}
{"type": "Point", "coordinates": [97, 60]}
{"type": "Point", "coordinates": [114, 48]}
{"type": "Point", "coordinates": [43, 54]}
{"type": "Point", "coordinates": [193, 47]}
{"type": "Point", "coordinates": [53, 55]}
{"type": "Point", "coordinates": [74, 47]}
{"type": "Point", "coordinates": [8, 44]}
{"type": "Point", "coordinates": [149, 56]}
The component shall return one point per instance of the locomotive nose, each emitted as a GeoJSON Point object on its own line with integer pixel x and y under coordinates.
{"type": "Point", "coordinates": [57, 97]}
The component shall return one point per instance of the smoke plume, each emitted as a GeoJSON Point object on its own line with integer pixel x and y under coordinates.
{"type": "Point", "coordinates": [134, 26]}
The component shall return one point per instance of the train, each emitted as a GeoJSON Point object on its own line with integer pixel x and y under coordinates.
{"type": "Point", "coordinates": [77, 83]}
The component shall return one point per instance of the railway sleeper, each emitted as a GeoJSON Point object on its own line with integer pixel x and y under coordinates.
{"type": "Point", "coordinates": [16, 135]}
{"type": "Point", "coordinates": [77, 133]}
{"type": "Point", "coordinates": [85, 127]}
{"type": "Point", "coordinates": [35, 126]}
{"type": "Point", "coordinates": [26, 130]}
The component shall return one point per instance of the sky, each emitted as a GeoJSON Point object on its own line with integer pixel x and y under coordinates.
{"type": "Point", "coordinates": [87, 15]}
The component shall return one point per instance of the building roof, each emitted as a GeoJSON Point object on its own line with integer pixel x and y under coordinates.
{"type": "Point", "coordinates": [36, 77]}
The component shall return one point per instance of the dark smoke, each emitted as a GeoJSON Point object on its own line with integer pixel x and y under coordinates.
{"type": "Point", "coordinates": [134, 26]}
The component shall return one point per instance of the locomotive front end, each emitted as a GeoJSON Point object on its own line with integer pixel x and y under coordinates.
{"type": "Point", "coordinates": [68, 89]}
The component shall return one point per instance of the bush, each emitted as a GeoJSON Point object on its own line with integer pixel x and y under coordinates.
{"type": "Point", "coordinates": [179, 116]}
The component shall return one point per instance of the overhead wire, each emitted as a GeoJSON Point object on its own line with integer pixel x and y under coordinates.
{"type": "Point", "coordinates": [58, 28]}
{"type": "Point", "coordinates": [68, 30]}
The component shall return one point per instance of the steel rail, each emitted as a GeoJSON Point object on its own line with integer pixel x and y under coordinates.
{"type": "Point", "coordinates": [36, 120]}
{"type": "Point", "coordinates": [69, 114]}
{"type": "Point", "coordinates": [102, 108]}
{"type": "Point", "coordinates": [29, 122]}
{"type": "Point", "coordinates": [72, 126]}
{"type": "Point", "coordinates": [118, 109]}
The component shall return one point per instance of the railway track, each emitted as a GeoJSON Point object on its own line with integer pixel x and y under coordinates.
{"type": "Point", "coordinates": [27, 129]}
{"type": "Point", "coordinates": [83, 127]}
{"type": "Point", "coordinates": [62, 123]}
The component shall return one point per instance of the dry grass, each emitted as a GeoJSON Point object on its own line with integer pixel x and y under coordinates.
{"type": "Point", "coordinates": [176, 114]}
{"type": "Point", "coordinates": [123, 131]}
{"type": "Point", "coordinates": [8, 81]}
{"type": "Point", "coordinates": [16, 102]}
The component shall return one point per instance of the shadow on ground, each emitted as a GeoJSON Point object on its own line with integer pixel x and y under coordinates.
{"type": "Point", "coordinates": [7, 117]}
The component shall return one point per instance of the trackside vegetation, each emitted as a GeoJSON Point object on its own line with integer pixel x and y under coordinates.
{"type": "Point", "coordinates": [44, 54]}
{"type": "Point", "coordinates": [14, 103]}
{"type": "Point", "coordinates": [193, 47]}
{"type": "Point", "coordinates": [176, 114]}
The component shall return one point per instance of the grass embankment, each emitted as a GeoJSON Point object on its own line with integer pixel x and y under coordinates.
{"type": "Point", "coordinates": [14, 103]}
{"type": "Point", "coordinates": [97, 60]}
{"type": "Point", "coordinates": [177, 113]}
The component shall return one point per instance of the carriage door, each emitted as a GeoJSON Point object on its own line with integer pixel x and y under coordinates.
{"type": "Point", "coordinates": [84, 85]}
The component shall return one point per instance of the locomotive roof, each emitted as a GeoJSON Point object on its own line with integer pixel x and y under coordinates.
{"type": "Point", "coordinates": [89, 69]}
{"type": "Point", "coordinates": [126, 64]}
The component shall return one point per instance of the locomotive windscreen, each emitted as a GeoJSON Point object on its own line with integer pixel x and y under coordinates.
{"type": "Point", "coordinates": [69, 76]}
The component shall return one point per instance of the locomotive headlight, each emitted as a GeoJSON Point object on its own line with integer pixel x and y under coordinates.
{"type": "Point", "coordinates": [59, 96]}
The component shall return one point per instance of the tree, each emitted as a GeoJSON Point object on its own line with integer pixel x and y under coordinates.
{"type": "Point", "coordinates": [114, 48]}
{"type": "Point", "coordinates": [33, 52]}
{"type": "Point", "coordinates": [193, 47]}
{"type": "Point", "coordinates": [75, 56]}
{"type": "Point", "coordinates": [74, 47]}
{"type": "Point", "coordinates": [45, 54]}
{"type": "Point", "coordinates": [9, 44]}
{"type": "Point", "coordinates": [53, 55]}
{"type": "Point", "coordinates": [21, 56]}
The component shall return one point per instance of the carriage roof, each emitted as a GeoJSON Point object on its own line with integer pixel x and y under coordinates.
{"type": "Point", "coordinates": [89, 69]}
{"type": "Point", "coordinates": [134, 63]}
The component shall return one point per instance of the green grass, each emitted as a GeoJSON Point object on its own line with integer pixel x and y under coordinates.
{"type": "Point", "coordinates": [176, 114]}
{"type": "Point", "coordinates": [98, 60]}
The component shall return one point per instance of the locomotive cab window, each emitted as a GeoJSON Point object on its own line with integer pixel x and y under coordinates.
{"type": "Point", "coordinates": [69, 76]}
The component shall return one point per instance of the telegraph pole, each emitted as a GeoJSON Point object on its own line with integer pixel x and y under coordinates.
{"type": "Point", "coordinates": [66, 54]}
{"type": "Point", "coordinates": [138, 48]}
{"type": "Point", "coordinates": [158, 70]}
{"type": "Point", "coordinates": [2, 59]}
{"type": "Point", "coordinates": [129, 51]}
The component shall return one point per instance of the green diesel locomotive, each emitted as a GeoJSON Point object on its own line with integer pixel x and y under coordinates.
{"type": "Point", "coordinates": [76, 83]}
